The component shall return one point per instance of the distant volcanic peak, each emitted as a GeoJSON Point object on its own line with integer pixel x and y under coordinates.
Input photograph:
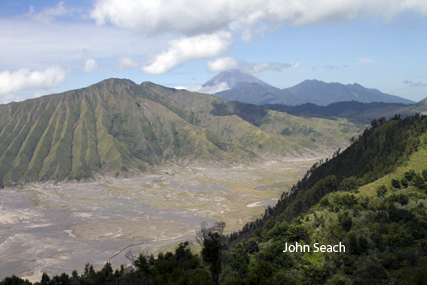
{"type": "Point", "coordinates": [323, 93]}
{"type": "Point", "coordinates": [234, 78]}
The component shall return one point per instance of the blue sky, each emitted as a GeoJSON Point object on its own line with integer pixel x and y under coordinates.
{"type": "Point", "coordinates": [54, 46]}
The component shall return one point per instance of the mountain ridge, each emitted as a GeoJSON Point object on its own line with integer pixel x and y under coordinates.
{"type": "Point", "coordinates": [119, 128]}
{"type": "Point", "coordinates": [322, 93]}
{"type": "Point", "coordinates": [242, 88]}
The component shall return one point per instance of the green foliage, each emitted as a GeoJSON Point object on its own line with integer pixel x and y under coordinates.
{"type": "Point", "coordinates": [385, 234]}
{"type": "Point", "coordinates": [345, 221]}
{"type": "Point", "coordinates": [409, 175]}
{"type": "Point", "coordinates": [404, 182]}
{"type": "Point", "coordinates": [419, 182]}
{"type": "Point", "coordinates": [395, 183]}
{"type": "Point", "coordinates": [211, 254]}
{"type": "Point", "coordinates": [381, 190]}
{"type": "Point", "coordinates": [297, 233]}
{"type": "Point", "coordinates": [286, 132]}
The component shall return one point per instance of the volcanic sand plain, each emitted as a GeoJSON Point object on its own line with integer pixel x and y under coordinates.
{"type": "Point", "coordinates": [58, 228]}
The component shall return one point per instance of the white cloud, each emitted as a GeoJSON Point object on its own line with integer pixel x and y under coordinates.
{"type": "Point", "coordinates": [275, 66]}
{"type": "Point", "coordinates": [49, 14]}
{"type": "Point", "coordinates": [364, 60]}
{"type": "Point", "coordinates": [208, 89]}
{"type": "Point", "coordinates": [189, 49]}
{"type": "Point", "coordinates": [91, 65]}
{"type": "Point", "coordinates": [181, 88]}
{"type": "Point", "coordinates": [221, 64]}
{"type": "Point", "coordinates": [226, 63]}
{"type": "Point", "coordinates": [25, 80]}
{"type": "Point", "coordinates": [198, 17]}
{"type": "Point", "coordinates": [126, 63]}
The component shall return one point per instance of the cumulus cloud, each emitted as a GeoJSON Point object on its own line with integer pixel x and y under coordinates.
{"type": "Point", "coordinates": [226, 63]}
{"type": "Point", "coordinates": [126, 63]}
{"type": "Point", "coordinates": [24, 80]}
{"type": "Point", "coordinates": [221, 64]}
{"type": "Point", "coordinates": [364, 60]}
{"type": "Point", "coordinates": [198, 17]}
{"type": "Point", "coordinates": [414, 84]}
{"type": "Point", "coordinates": [91, 65]}
{"type": "Point", "coordinates": [189, 49]}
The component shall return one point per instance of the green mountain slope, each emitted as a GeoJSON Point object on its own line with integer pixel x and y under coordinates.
{"type": "Point", "coordinates": [117, 127]}
{"type": "Point", "coordinates": [371, 198]}
{"type": "Point", "coordinates": [353, 110]}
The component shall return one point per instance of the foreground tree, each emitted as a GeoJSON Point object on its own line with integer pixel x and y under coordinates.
{"type": "Point", "coordinates": [212, 240]}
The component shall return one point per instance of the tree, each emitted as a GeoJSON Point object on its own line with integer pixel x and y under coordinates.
{"type": "Point", "coordinates": [203, 232]}
{"type": "Point", "coordinates": [211, 254]}
{"type": "Point", "coordinates": [212, 241]}
{"type": "Point", "coordinates": [141, 263]}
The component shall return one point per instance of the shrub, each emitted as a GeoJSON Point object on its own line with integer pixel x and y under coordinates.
{"type": "Point", "coordinates": [409, 175]}
{"type": "Point", "coordinates": [395, 183]}
{"type": "Point", "coordinates": [381, 190]}
{"type": "Point", "coordinates": [404, 182]}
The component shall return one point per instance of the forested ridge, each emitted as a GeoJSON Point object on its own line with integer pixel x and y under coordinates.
{"type": "Point", "coordinates": [370, 197]}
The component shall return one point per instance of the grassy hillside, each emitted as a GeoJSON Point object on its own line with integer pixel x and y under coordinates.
{"type": "Point", "coordinates": [371, 198]}
{"type": "Point", "coordinates": [119, 128]}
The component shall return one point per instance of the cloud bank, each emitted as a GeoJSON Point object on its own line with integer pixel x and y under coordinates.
{"type": "Point", "coordinates": [24, 80]}
{"type": "Point", "coordinates": [197, 17]}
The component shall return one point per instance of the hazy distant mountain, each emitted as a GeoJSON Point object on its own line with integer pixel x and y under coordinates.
{"type": "Point", "coordinates": [234, 78]}
{"type": "Point", "coordinates": [259, 95]}
{"type": "Point", "coordinates": [119, 128]}
{"type": "Point", "coordinates": [321, 93]}
{"type": "Point", "coordinates": [246, 88]}
{"type": "Point", "coordinates": [420, 107]}
{"type": "Point", "coordinates": [362, 112]}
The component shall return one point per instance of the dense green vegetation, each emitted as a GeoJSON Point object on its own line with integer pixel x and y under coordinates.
{"type": "Point", "coordinates": [119, 128]}
{"type": "Point", "coordinates": [371, 199]}
{"type": "Point", "coordinates": [366, 198]}
{"type": "Point", "coordinates": [181, 267]}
